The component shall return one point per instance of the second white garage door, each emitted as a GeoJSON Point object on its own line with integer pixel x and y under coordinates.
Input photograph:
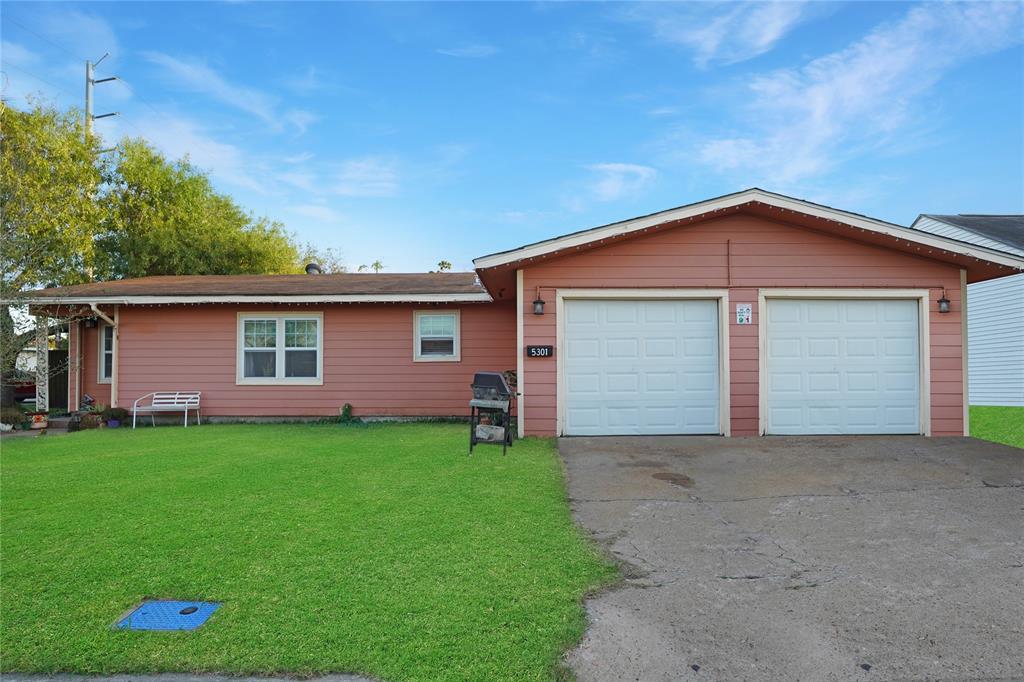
{"type": "Point", "coordinates": [640, 367]}
{"type": "Point", "coordinates": [842, 366]}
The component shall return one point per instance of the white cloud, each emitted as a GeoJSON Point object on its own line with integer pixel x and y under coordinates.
{"type": "Point", "coordinates": [14, 53]}
{"type": "Point", "coordinates": [301, 119]}
{"type": "Point", "coordinates": [469, 51]}
{"type": "Point", "coordinates": [83, 34]}
{"type": "Point", "coordinates": [306, 83]}
{"type": "Point", "coordinates": [802, 122]}
{"type": "Point", "coordinates": [371, 176]}
{"type": "Point", "coordinates": [299, 158]}
{"type": "Point", "coordinates": [319, 212]}
{"type": "Point", "coordinates": [198, 77]}
{"type": "Point", "coordinates": [721, 32]}
{"type": "Point", "coordinates": [617, 180]}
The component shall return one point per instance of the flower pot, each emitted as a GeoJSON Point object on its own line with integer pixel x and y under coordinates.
{"type": "Point", "coordinates": [40, 420]}
{"type": "Point", "coordinates": [113, 423]}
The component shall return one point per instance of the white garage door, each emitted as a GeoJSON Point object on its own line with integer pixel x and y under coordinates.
{"type": "Point", "coordinates": [640, 367]}
{"type": "Point", "coordinates": [842, 366]}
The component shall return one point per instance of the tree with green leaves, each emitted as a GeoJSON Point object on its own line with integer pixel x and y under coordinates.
{"type": "Point", "coordinates": [50, 175]}
{"type": "Point", "coordinates": [165, 218]}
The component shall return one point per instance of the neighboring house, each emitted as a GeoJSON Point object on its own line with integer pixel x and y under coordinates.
{"type": "Point", "coordinates": [751, 313]}
{"type": "Point", "coordinates": [995, 329]}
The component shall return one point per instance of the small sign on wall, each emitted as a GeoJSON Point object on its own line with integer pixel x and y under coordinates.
{"type": "Point", "coordinates": [744, 313]}
{"type": "Point", "coordinates": [540, 351]}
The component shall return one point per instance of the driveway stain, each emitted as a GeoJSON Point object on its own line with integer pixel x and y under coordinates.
{"type": "Point", "coordinates": [680, 480]}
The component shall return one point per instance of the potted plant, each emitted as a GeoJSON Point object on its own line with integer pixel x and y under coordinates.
{"type": "Point", "coordinates": [113, 416]}
{"type": "Point", "coordinates": [39, 420]}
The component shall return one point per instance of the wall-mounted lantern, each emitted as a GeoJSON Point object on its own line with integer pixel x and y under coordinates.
{"type": "Point", "coordinates": [943, 303]}
{"type": "Point", "coordinates": [538, 305]}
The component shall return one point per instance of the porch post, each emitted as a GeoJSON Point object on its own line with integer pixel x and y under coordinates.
{"type": "Point", "coordinates": [42, 363]}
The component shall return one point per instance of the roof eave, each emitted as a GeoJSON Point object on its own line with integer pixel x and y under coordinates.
{"type": "Point", "coordinates": [732, 201]}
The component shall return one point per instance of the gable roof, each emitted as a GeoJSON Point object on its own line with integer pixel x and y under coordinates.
{"type": "Point", "coordinates": [448, 287]}
{"type": "Point", "coordinates": [1007, 230]}
{"type": "Point", "coordinates": [731, 202]}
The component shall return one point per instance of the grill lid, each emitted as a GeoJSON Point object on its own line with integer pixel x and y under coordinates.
{"type": "Point", "coordinates": [490, 386]}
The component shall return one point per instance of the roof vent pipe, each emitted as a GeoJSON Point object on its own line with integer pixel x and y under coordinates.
{"type": "Point", "coordinates": [313, 269]}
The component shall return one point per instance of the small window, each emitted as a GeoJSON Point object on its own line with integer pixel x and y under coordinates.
{"type": "Point", "coordinates": [280, 349]}
{"type": "Point", "coordinates": [106, 346]}
{"type": "Point", "coordinates": [437, 336]}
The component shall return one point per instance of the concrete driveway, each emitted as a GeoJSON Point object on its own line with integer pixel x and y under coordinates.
{"type": "Point", "coordinates": [867, 558]}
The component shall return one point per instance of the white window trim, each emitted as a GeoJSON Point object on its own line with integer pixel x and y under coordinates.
{"type": "Point", "coordinates": [719, 295]}
{"type": "Point", "coordinates": [242, 380]}
{"type": "Point", "coordinates": [921, 296]}
{"type": "Point", "coordinates": [416, 357]}
{"type": "Point", "coordinates": [101, 350]}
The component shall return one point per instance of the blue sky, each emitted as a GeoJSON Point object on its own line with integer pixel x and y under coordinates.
{"type": "Point", "coordinates": [416, 132]}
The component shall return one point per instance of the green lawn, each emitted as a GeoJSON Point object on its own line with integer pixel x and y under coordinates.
{"type": "Point", "coordinates": [999, 424]}
{"type": "Point", "coordinates": [381, 550]}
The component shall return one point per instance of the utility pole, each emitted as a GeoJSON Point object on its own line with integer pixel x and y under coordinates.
{"type": "Point", "coordinates": [90, 82]}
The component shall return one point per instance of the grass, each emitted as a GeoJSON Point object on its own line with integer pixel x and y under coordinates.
{"type": "Point", "coordinates": [380, 550]}
{"type": "Point", "coordinates": [999, 424]}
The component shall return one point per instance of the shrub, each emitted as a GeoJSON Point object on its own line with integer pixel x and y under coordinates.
{"type": "Point", "coordinates": [118, 413]}
{"type": "Point", "coordinates": [90, 420]}
{"type": "Point", "coordinates": [12, 415]}
{"type": "Point", "coordinates": [346, 415]}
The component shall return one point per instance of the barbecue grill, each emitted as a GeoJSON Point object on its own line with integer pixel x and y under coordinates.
{"type": "Point", "coordinates": [490, 410]}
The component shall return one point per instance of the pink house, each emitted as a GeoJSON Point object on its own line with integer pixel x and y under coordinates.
{"type": "Point", "coordinates": [748, 314]}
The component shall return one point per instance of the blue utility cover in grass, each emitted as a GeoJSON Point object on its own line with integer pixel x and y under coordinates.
{"type": "Point", "coordinates": [158, 614]}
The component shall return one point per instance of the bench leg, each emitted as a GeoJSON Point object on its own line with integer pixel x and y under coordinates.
{"type": "Point", "coordinates": [152, 418]}
{"type": "Point", "coordinates": [186, 417]}
{"type": "Point", "coordinates": [199, 421]}
{"type": "Point", "coordinates": [134, 415]}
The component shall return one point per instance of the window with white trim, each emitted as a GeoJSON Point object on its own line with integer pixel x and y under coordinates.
{"type": "Point", "coordinates": [280, 349]}
{"type": "Point", "coordinates": [436, 335]}
{"type": "Point", "coordinates": [106, 348]}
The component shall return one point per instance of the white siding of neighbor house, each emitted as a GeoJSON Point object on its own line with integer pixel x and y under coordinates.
{"type": "Point", "coordinates": [995, 333]}
{"type": "Point", "coordinates": [995, 326]}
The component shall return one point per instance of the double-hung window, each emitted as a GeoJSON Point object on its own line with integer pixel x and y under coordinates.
{"type": "Point", "coordinates": [280, 348]}
{"type": "Point", "coordinates": [106, 359]}
{"type": "Point", "coordinates": [436, 336]}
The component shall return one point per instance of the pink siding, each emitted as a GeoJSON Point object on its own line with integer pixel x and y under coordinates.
{"type": "Point", "coordinates": [367, 360]}
{"type": "Point", "coordinates": [90, 367]}
{"type": "Point", "coordinates": [743, 253]}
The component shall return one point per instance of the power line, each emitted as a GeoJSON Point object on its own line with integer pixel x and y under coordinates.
{"type": "Point", "coordinates": [41, 37]}
{"type": "Point", "coordinates": [142, 99]}
{"type": "Point", "coordinates": [41, 79]}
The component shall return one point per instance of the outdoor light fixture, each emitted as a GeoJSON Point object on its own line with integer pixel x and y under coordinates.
{"type": "Point", "coordinates": [943, 303]}
{"type": "Point", "coordinates": [538, 305]}
{"type": "Point", "coordinates": [91, 322]}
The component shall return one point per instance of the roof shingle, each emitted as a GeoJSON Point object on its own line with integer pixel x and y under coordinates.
{"type": "Point", "coordinates": [346, 284]}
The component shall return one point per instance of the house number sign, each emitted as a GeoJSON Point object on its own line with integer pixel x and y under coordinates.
{"type": "Point", "coordinates": [744, 312]}
{"type": "Point", "coordinates": [540, 351]}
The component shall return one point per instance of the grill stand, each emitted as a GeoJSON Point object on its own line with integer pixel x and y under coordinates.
{"type": "Point", "coordinates": [498, 413]}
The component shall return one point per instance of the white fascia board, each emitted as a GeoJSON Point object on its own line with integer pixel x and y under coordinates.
{"type": "Point", "coordinates": [327, 298]}
{"type": "Point", "coordinates": [733, 200]}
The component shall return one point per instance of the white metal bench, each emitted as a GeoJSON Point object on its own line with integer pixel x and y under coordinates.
{"type": "Point", "coordinates": [167, 401]}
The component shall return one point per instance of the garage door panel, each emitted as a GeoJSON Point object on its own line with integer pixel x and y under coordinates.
{"type": "Point", "coordinates": [842, 366]}
{"type": "Point", "coordinates": [641, 367]}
